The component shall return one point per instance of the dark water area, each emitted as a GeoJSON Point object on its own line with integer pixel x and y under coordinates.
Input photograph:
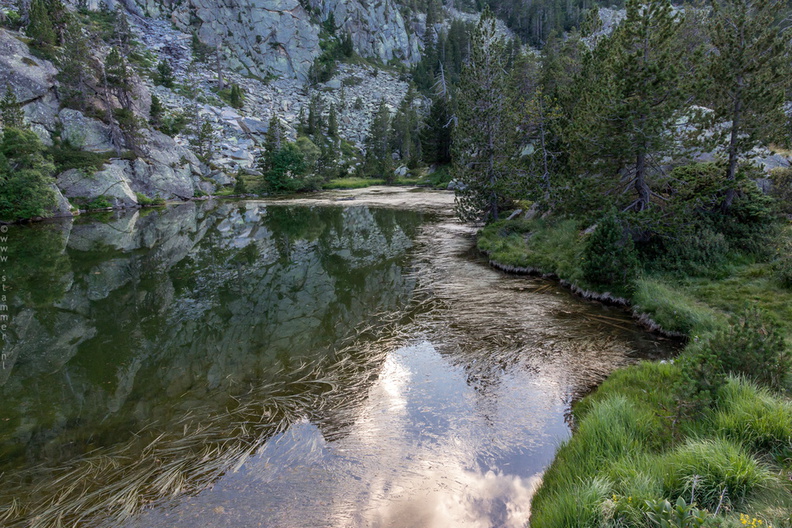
{"type": "Point", "coordinates": [304, 363]}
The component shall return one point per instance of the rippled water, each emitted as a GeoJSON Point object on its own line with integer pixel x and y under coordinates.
{"type": "Point", "coordinates": [301, 363]}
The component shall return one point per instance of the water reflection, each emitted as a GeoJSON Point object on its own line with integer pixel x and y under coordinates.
{"type": "Point", "coordinates": [168, 325]}
{"type": "Point", "coordinates": [251, 364]}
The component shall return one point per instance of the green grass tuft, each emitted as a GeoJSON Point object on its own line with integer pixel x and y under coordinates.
{"type": "Point", "coordinates": [702, 469]}
{"type": "Point", "coordinates": [755, 418]}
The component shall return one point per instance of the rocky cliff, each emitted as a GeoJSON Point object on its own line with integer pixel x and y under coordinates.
{"type": "Point", "coordinates": [162, 168]}
{"type": "Point", "coordinates": [265, 46]}
{"type": "Point", "coordinates": [281, 37]}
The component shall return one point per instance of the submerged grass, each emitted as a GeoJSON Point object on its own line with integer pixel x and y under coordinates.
{"type": "Point", "coordinates": [110, 485]}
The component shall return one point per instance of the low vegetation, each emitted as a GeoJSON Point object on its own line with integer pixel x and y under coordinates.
{"type": "Point", "coordinates": [704, 440]}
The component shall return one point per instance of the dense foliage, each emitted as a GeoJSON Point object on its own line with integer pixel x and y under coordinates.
{"type": "Point", "coordinates": [25, 176]}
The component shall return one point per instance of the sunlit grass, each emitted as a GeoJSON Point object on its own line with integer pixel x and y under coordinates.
{"type": "Point", "coordinates": [359, 183]}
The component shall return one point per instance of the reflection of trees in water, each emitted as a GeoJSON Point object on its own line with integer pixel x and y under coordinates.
{"type": "Point", "coordinates": [186, 346]}
{"type": "Point", "coordinates": [193, 449]}
{"type": "Point", "coordinates": [36, 263]}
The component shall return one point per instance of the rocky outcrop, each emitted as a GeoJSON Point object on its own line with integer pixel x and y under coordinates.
{"type": "Point", "coordinates": [263, 37]}
{"type": "Point", "coordinates": [30, 77]}
{"type": "Point", "coordinates": [161, 167]}
{"type": "Point", "coordinates": [279, 37]}
{"type": "Point", "coordinates": [63, 208]}
{"type": "Point", "coordinates": [378, 29]}
{"type": "Point", "coordinates": [32, 80]}
{"type": "Point", "coordinates": [85, 133]}
{"type": "Point", "coordinates": [111, 182]}
{"type": "Point", "coordinates": [166, 170]}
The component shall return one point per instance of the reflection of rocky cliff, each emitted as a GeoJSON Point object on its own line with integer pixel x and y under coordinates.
{"type": "Point", "coordinates": [146, 316]}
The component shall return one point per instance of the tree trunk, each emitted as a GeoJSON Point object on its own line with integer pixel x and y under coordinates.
{"type": "Point", "coordinates": [731, 170]}
{"type": "Point", "coordinates": [640, 182]}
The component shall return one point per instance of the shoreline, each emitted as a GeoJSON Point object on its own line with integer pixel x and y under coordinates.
{"type": "Point", "coordinates": [640, 419]}
{"type": "Point", "coordinates": [643, 319]}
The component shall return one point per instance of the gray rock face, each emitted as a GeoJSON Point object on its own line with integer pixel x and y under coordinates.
{"type": "Point", "coordinates": [265, 37]}
{"type": "Point", "coordinates": [377, 28]}
{"type": "Point", "coordinates": [62, 207]}
{"type": "Point", "coordinates": [31, 79]}
{"type": "Point", "coordinates": [279, 37]}
{"type": "Point", "coordinates": [773, 161]}
{"type": "Point", "coordinates": [85, 133]}
{"type": "Point", "coordinates": [111, 182]}
{"type": "Point", "coordinates": [166, 169]}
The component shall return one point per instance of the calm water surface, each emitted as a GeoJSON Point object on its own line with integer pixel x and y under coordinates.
{"type": "Point", "coordinates": [303, 363]}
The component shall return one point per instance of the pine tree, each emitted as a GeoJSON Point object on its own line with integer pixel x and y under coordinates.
{"type": "Point", "coordinates": [314, 124]}
{"type": "Point", "coordinates": [332, 122]}
{"type": "Point", "coordinates": [378, 154]}
{"type": "Point", "coordinates": [165, 74]}
{"type": "Point", "coordinates": [483, 142]}
{"type": "Point", "coordinates": [11, 114]}
{"type": "Point", "coordinates": [204, 140]}
{"type": "Point", "coordinates": [437, 132]}
{"type": "Point", "coordinates": [76, 73]}
{"type": "Point", "coordinates": [539, 127]}
{"type": "Point", "coordinates": [118, 75]}
{"type": "Point", "coordinates": [235, 98]}
{"type": "Point", "coordinates": [273, 142]}
{"type": "Point", "coordinates": [346, 47]}
{"type": "Point", "coordinates": [634, 98]}
{"type": "Point", "coordinates": [404, 132]}
{"type": "Point", "coordinates": [40, 27]}
{"type": "Point", "coordinates": [747, 78]}
{"type": "Point", "coordinates": [122, 33]}
{"type": "Point", "coordinates": [156, 111]}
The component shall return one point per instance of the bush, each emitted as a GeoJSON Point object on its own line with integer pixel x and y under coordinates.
{"type": "Point", "coordinates": [11, 20]}
{"type": "Point", "coordinates": [694, 225]}
{"type": "Point", "coordinates": [240, 188]}
{"type": "Point", "coordinates": [782, 189]}
{"type": "Point", "coordinates": [609, 257]}
{"type": "Point", "coordinates": [702, 469]}
{"type": "Point", "coordinates": [175, 124]}
{"type": "Point", "coordinates": [287, 165]}
{"type": "Point", "coordinates": [754, 347]}
{"type": "Point", "coordinates": [100, 202]}
{"type": "Point", "coordinates": [751, 416]}
{"type": "Point", "coordinates": [68, 157]}
{"type": "Point", "coordinates": [233, 96]}
{"type": "Point", "coordinates": [699, 254]}
{"type": "Point", "coordinates": [782, 266]}
{"type": "Point", "coordinates": [352, 80]}
{"type": "Point", "coordinates": [25, 176]}
{"type": "Point", "coordinates": [751, 222]}
{"type": "Point", "coordinates": [146, 201]}
{"type": "Point", "coordinates": [681, 515]}
{"type": "Point", "coordinates": [701, 378]}
{"type": "Point", "coordinates": [164, 74]}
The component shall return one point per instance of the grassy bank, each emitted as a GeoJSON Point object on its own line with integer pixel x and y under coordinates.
{"type": "Point", "coordinates": [671, 444]}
